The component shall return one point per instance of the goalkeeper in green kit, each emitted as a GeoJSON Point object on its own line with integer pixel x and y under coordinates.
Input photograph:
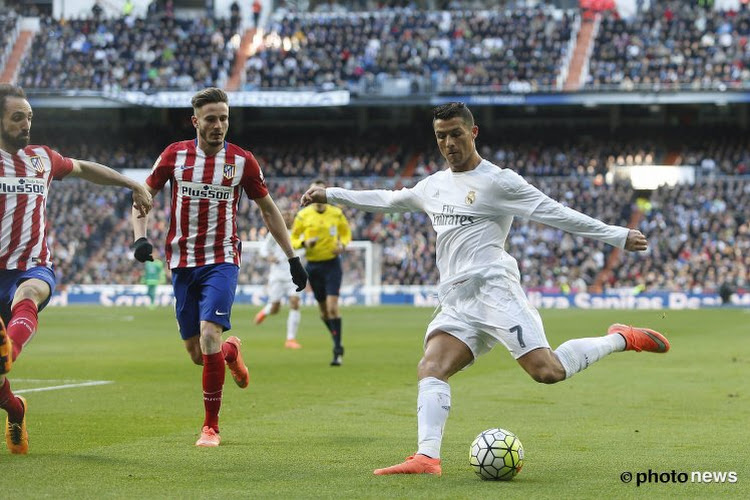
{"type": "Point", "coordinates": [153, 276]}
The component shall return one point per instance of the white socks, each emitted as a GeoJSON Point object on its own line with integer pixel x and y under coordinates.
{"type": "Point", "coordinates": [267, 309]}
{"type": "Point", "coordinates": [433, 406]}
{"type": "Point", "coordinates": [292, 324]}
{"type": "Point", "coordinates": [577, 354]}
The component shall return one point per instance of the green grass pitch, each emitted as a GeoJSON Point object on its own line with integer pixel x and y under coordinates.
{"type": "Point", "coordinates": [306, 430]}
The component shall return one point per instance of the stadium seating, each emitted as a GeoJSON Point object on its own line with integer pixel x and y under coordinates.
{"type": "Point", "coordinates": [8, 24]}
{"type": "Point", "coordinates": [672, 45]}
{"type": "Point", "coordinates": [129, 54]}
{"type": "Point", "coordinates": [404, 50]}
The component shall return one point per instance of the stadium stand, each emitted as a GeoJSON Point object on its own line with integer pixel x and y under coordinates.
{"type": "Point", "coordinates": [8, 22]}
{"type": "Point", "coordinates": [129, 54]}
{"type": "Point", "coordinates": [424, 51]}
{"type": "Point", "coordinates": [672, 45]}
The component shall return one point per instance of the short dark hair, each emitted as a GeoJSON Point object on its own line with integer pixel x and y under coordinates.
{"type": "Point", "coordinates": [453, 110]}
{"type": "Point", "coordinates": [8, 90]}
{"type": "Point", "coordinates": [318, 181]}
{"type": "Point", "coordinates": [208, 96]}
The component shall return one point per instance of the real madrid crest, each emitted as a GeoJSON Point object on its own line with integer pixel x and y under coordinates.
{"type": "Point", "coordinates": [471, 197]}
{"type": "Point", "coordinates": [229, 170]}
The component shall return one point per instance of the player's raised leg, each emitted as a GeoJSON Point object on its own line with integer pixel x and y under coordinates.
{"type": "Point", "coordinates": [578, 354]}
{"type": "Point", "coordinates": [29, 298]}
{"type": "Point", "coordinates": [233, 357]}
{"type": "Point", "coordinates": [444, 356]}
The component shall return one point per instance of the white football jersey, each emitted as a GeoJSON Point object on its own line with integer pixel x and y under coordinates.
{"type": "Point", "coordinates": [472, 213]}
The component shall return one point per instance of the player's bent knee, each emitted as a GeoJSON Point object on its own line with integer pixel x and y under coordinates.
{"type": "Point", "coordinates": [548, 375]}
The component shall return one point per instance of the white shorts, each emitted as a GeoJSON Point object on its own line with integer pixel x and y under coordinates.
{"type": "Point", "coordinates": [482, 312]}
{"type": "Point", "coordinates": [279, 289]}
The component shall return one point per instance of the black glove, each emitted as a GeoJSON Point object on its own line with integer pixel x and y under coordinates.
{"type": "Point", "coordinates": [142, 250]}
{"type": "Point", "coordinates": [299, 275]}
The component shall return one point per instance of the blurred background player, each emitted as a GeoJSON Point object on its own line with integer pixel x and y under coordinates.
{"type": "Point", "coordinates": [208, 176]}
{"type": "Point", "coordinates": [27, 279]}
{"type": "Point", "coordinates": [279, 287]}
{"type": "Point", "coordinates": [153, 276]}
{"type": "Point", "coordinates": [324, 232]}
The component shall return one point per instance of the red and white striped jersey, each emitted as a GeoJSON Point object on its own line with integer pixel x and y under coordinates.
{"type": "Point", "coordinates": [206, 191]}
{"type": "Point", "coordinates": [24, 183]}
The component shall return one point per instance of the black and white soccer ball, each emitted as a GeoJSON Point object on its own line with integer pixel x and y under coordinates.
{"type": "Point", "coordinates": [496, 455]}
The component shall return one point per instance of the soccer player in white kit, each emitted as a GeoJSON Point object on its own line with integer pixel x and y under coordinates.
{"type": "Point", "coordinates": [278, 287]}
{"type": "Point", "coordinates": [472, 204]}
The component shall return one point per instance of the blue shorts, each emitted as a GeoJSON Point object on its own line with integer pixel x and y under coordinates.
{"type": "Point", "coordinates": [325, 278]}
{"type": "Point", "coordinates": [11, 278]}
{"type": "Point", "coordinates": [204, 293]}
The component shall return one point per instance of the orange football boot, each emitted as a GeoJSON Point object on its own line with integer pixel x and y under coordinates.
{"type": "Point", "coordinates": [16, 436]}
{"type": "Point", "coordinates": [237, 368]}
{"type": "Point", "coordinates": [415, 464]}
{"type": "Point", "coordinates": [209, 438]}
{"type": "Point", "coordinates": [260, 317]}
{"type": "Point", "coordinates": [292, 344]}
{"type": "Point", "coordinates": [640, 339]}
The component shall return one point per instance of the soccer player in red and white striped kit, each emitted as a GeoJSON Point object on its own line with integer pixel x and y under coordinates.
{"type": "Point", "coordinates": [207, 176]}
{"type": "Point", "coordinates": [27, 279]}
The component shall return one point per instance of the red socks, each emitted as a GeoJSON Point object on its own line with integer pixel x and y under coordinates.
{"type": "Point", "coordinates": [213, 382]}
{"type": "Point", "coordinates": [10, 403]}
{"type": "Point", "coordinates": [22, 325]}
{"type": "Point", "coordinates": [229, 351]}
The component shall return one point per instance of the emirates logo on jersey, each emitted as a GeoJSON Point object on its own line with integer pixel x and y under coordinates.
{"type": "Point", "coordinates": [229, 170]}
{"type": "Point", "coordinates": [37, 163]}
{"type": "Point", "coordinates": [471, 197]}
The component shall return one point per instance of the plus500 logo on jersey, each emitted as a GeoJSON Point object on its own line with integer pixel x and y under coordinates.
{"type": "Point", "coordinates": [207, 191]}
{"type": "Point", "coordinates": [23, 185]}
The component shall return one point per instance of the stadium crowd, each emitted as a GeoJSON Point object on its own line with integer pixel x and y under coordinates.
{"type": "Point", "coordinates": [433, 50]}
{"type": "Point", "coordinates": [129, 53]}
{"type": "Point", "coordinates": [672, 45]}
{"type": "Point", "coordinates": [8, 24]}
{"type": "Point", "coordinates": [397, 48]}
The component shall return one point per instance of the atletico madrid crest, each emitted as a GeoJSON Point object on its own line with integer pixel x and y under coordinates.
{"type": "Point", "coordinates": [37, 163]}
{"type": "Point", "coordinates": [229, 170]}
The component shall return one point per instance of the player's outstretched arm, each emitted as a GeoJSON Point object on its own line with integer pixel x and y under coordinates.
{"type": "Point", "coordinates": [554, 214]}
{"type": "Point", "coordinates": [372, 200]}
{"type": "Point", "coordinates": [100, 174]}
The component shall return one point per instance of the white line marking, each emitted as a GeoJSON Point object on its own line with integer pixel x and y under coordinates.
{"type": "Point", "coordinates": [48, 380]}
{"type": "Point", "coordinates": [65, 386]}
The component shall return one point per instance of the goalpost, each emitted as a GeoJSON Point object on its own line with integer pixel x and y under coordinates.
{"type": "Point", "coordinates": [361, 263]}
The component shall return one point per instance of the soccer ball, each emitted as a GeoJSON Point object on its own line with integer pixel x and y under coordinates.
{"type": "Point", "coordinates": [497, 455]}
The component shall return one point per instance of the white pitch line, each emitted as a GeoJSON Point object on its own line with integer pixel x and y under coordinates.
{"type": "Point", "coordinates": [65, 386]}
